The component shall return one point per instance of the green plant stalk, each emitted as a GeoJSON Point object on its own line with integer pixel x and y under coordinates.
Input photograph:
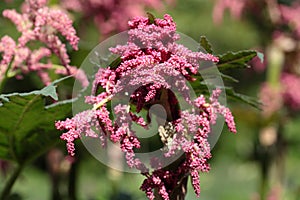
{"type": "Point", "coordinates": [73, 181]}
{"type": "Point", "coordinates": [276, 59]}
{"type": "Point", "coordinates": [10, 182]}
{"type": "Point", "coordinates": [5, 78]}
{"type": "Point", "coordinates": [2, 84]}
{"type": "Point", "coordinates": [263, 188]}
{"type": "Point", "coordinates": [281, 158]}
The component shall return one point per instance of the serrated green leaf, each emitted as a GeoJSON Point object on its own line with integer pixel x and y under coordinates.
{"type": "Point", "coordinates": [49, 90]}
{"type": "Point", "coordinates": [27, 126]}
{"type": "Point", "coordinates": [215, 75]}
{"type": "Point", "coordinates": [205, 44]}
{"type": "Point", "coordinates": [202, 89]}
{"type": "Point", "coordinates": [238, 59]}
{"type": "Point", "coordinates": [243, 98]}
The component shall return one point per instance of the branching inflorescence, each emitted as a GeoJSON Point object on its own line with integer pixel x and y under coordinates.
{"type": "Point", "coordinates": [152, 65]}
{"type": "Point", "coordinates": [38, 24]}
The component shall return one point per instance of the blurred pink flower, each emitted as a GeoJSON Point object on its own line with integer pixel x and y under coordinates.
{"type": "Point", "coordinates": [287, 94]}
{"type": "Point", "coordinates": [275, 193]}
{"type": "Point", "coordinates": [257, 64]}
{"type": "Point", "coordinates": [235, 7]}
{"type": "Point", "coordinates": [271, 98]}
{"type": "Point", "coordinates": [278, 13]}
{"type": "Point", "coordinates": [4, 167]}
{"type": "Point", "coordinates": [37, 22]}
{"type": "Point", "coordinates": [291, 15]}
{"type": "Point", "coordinates": [291, 93]}
{"type": "Point", "coordinates": [112, 15]}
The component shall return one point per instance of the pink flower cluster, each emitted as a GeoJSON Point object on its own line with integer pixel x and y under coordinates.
{"type": "Point", "coordinates": [40, 24]}
{"type": "Point", "coordinates": [112, 15]}
{"type": "Point", "coordinates": [153, 66]}
{"type": "Point", "coordinates": [271, 99]}
{"type": "Point", "coordinates": [290, 15]}
{"type": "Point", "coordinates": [291, 93]}
{"type": "Point", "coordinates": [287, 94]}
{"type": "Point", "coordinates": [195, 125]}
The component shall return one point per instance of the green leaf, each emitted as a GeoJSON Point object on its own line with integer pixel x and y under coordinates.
{"type": "Point", "coordinates": [50, 91]}
{"type": "Point", "coordinates": [151, 18]}
{"type": "Point", "coordinates": [115, 63]}
{"type": "Point", "coordinates": [238, 59]}
{"type": "Point", "coordinates": [229, 78]}
{"type": "Point", "coordinates": [243, 98]}
{"type": "Point", "coordinates": [205, 44]}
{"type": "Point", "coordinates": [215, 75]}
{"type": "Point", "coordinates": [202, 89]}
{"type": "Point", "coordinates": [27, 126]}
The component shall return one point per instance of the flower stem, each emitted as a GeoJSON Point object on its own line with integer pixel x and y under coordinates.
{"type": "Point", "coordinates": [5, 78]}
{"type": "Point", "coordinates": [2, 84]}
{"type": "Point", "coordinates": [180, 191]}
{"type": "Point", "coordinates": [263, 189]}
{"type": "Point", "coordinates": [9, 184]}
{"type": "Point", "coordinates": [73, 181]}
{"type": "Point", "coordinates": [276, 59]}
